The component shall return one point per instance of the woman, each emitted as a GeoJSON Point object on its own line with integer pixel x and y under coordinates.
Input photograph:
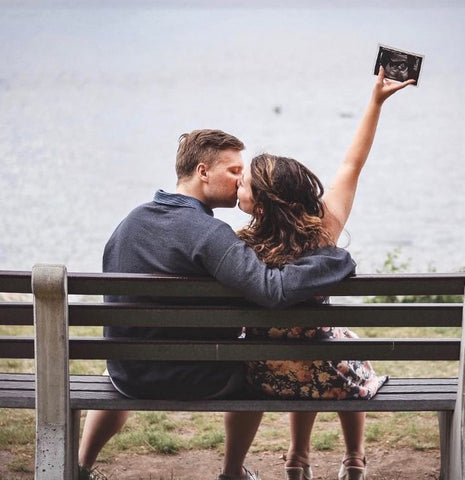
{"type": "Point", "coordinates": [284, 199]}
{"type": "Point", "coordinates": [288, 220]}
{"type": "Point", "coordinates": [290, 217]}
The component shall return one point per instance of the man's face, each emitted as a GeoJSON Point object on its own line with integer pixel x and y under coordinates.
{"type": "Point", "coordinates": [223, 178]}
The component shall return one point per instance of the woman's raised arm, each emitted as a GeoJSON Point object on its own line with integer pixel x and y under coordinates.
{"type": "Point", "coordinates": [339, 197]}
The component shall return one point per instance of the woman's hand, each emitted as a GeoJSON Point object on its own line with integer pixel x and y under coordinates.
{"type": "Point", "coordinates": [384, 87]}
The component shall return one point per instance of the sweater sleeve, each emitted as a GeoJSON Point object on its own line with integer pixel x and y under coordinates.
{"type": "Point", "coordinates": [236, 265]}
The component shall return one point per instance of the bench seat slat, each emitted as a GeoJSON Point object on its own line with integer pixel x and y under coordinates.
{"type": "Point", "coordinates": [108, 400]}
{"type": "Point", "coordinates": [17, 385]}
{"type": "Point", "coordinates": [22, 377]}
{"type": "Point", "coordinates": [423, 381]}
{"type": "Point", "coordinates": [428, 394]}
{"type": "Point", "coordinates": [102, 381]}
{"type": "Point", "coordinates": [76, 379]}
{"type": "Point", "coordinates": [413, 385]}
{"type": "Point", "coordinates": [94, 392]}
{"type": "Point", "coordinates": [17, 399]}
{"type": "Point", "coordinates": [414, 388]}
{"type": "Point", "coordinates": [387, 389]}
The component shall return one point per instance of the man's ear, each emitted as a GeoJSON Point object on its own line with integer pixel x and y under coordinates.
{"type": "Point", "coordinates": [202, 172]}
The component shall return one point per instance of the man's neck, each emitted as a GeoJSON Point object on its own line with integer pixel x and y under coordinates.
{"type": "Point", "coordinates": [190, 191]}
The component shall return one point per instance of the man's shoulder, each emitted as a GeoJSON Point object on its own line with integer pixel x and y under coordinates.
{"type": "Point", "coordinates": [185, 220]}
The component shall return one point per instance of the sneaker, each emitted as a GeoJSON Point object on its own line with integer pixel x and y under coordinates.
{"type": "Point", "coordinates": [248, 476]}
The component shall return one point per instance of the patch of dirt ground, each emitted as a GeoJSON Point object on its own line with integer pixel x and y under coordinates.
{"type": "Point", "coordinates": [206, 465]}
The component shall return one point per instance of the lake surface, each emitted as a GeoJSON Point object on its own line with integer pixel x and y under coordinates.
{"type": "Point", "coordinates": [93, 99]}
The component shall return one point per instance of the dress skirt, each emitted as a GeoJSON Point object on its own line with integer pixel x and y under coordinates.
{"type": "Point", "coordinates": [307, 379]}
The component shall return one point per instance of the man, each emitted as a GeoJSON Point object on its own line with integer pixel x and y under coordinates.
{"type": "Point", "coordinates": [177, 233]}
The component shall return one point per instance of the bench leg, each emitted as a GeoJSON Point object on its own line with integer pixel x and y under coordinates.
{"type": "Point", "coordinates": [454, 422]}
{"type": "Point", "coordinates": [74, 450]}
{"type": "Point", "coordinates": [53, 436]}
{"type": "Point", "coordinates": [445, 429]}
{"type": "Point", "coordinates": [50, 451]}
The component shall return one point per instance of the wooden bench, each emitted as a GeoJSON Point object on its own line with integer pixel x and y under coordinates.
{"type": "Point", "coordinates": [59, 397]}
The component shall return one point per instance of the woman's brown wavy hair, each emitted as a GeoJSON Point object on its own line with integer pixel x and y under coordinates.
{"type": "Point", "coordinates": [287, 216]}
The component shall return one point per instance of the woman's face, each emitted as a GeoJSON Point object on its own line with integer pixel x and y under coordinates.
{"type": "Point", "coordinates": [244, 192]}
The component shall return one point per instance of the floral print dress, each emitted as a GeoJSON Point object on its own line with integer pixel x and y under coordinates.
{"type": "Point", "coordinates": [307, 379]}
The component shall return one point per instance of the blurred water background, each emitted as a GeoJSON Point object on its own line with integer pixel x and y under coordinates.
{"type": "Point", "coordinates": [93, 96]}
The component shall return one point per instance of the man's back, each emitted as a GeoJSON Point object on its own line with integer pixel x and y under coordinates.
{"type": "Point", "coordinates": [168, 236]}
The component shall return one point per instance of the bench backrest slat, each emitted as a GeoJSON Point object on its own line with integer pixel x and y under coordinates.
{"type": "Point", "coordinates": [16, 347]}
{"type": "Point", "coordinates": [180, 286]}
{"type": "Point", "coordinates": [16, 313]}
{"type": "Point", "coordinates": [101, 314]}
{"type": "Point", "coordinates": [406, 315]}
{"type": "Point", "coordinates": [372, 348]}
{"type": "Point", "coordinates": [88, 348]}
{"type": "Point", "coordinates": [15, 282]}
{"type": "Point", "coordinates": [172, 286]}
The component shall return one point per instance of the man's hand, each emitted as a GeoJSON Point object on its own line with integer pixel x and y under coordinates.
{"type": "Point", "coordinates": [384, 87]}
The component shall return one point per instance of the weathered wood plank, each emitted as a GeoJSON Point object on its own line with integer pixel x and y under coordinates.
{"type": "Point", "coordinates": [386, 390]}
{"type": "Point", "coordinates": [15, 313]}
{"type": "Point", "coordinates": [18, 399]}
{"type": "Point", "coordinates": [172, 286]}
{"type": "Point", "coordinates": [16, 385]}
{"type": "Point", "coordinates": [102, 383]}
{"type": "Point", "coordinates": [428, 403]}
{"type": "Point", "coordinates": [370, 348]}
{"type": "Point", "coordinates": [374, 349]}
{"type": "Point", "coordinates": [392, 315]}
{"type": "Point", "coordinates": [22, 377]}
{"type": "Point", "coordinates": [17, 347]}
{"type": "Point", "coordinates": [15, 282]}
{"type": "Point", "coordinates": [76, 379]}
{"type": "Point", "coordinates": [423, 380]}
{"type": "Point", "coordinates": [95, 392]}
